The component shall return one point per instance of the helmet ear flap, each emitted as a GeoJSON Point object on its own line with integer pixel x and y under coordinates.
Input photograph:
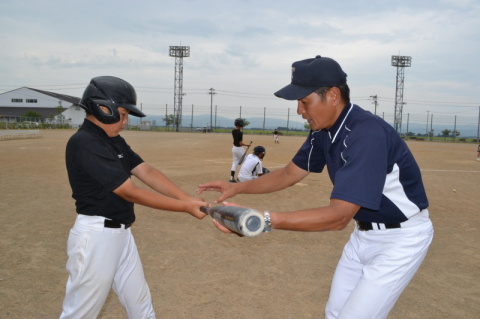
{"type": "Point", "coordinates": [94, 108]}
{"type": "Point", "coordinates": [113, 116]}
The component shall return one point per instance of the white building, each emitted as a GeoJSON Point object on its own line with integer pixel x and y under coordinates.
{"type": "Point", "coordinates": [53, 107]}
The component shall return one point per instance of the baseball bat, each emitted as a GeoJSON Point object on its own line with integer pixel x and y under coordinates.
{"type": "Point", "coordinates": [244, 154]}
{"type": "Point", "coordinates": [244, 221]}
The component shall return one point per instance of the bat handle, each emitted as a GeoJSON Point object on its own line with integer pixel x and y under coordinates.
{"type": "Point", "coordinates": [205, 209]}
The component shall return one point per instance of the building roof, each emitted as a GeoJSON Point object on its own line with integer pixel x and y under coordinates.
{"type": "Point", "coordinates": [68, 98]}
{"type": "Point", "coordinates": [8, 111]}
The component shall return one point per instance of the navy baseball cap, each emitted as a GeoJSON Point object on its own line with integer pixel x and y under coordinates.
{"type": "Point", "coordinates": [310, 74]}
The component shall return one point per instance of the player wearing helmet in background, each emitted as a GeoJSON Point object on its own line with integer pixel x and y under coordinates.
{"type": "Point", "coordinates": [237, 148]}
{"type": "Point", "coordinates": [252, 167]}
{"type": "Point", "coordinates": [102, 254]}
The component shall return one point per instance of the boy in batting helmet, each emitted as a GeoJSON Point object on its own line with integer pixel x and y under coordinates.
{"type": "Point", "coordinates": [102, 254]}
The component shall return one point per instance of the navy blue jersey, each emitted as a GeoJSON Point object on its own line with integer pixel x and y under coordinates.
{"type": "Point", "coordinates": [368, 164]}
{"type": "Point", "coordinates": [96, 166]}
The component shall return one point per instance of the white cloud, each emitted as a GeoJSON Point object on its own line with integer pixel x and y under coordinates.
{"type": "Point", "coordinates": [242, 46]}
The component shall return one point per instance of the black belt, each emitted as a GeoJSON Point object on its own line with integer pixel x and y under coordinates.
{"type": "Point", "coordinates": [113, 224]}
{"type": "Point", "coordinates": [368, 226]}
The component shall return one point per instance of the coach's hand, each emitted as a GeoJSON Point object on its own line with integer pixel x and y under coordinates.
{"type": "Point", "coordinates": [227, 189]}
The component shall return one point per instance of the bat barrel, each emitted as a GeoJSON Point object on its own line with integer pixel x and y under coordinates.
{"type": "Point", "coordinates": [245, 221]}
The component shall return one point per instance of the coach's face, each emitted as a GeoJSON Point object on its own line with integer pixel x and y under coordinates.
{"type": "Point", "coordinates": [321, 112]}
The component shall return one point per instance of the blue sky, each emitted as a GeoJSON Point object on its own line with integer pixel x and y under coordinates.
{"type": "Point", "coordinates": [244, 49]}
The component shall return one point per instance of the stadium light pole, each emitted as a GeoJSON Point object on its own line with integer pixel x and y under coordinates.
{"type": "Point", "coordinates": [400, 62]}
{"type": "Point", "coordinates": [179, 52]}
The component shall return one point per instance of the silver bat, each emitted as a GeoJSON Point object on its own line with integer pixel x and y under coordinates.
{"type": "Point", "coordinates": [244, 154]}
{"type": "Point", "coordinates": [244, 221]}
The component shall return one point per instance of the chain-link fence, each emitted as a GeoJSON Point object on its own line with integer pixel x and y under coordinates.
{"type": "Point", "coordinates": [432, 126]}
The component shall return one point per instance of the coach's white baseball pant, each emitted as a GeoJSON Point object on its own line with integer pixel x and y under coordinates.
{"type": "Point", "coordinates": [100, 259]}
{"type": "Point", "coordinates": [375, 268]}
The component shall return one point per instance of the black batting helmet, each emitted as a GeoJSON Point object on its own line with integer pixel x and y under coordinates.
{"type": "Point", "coordinates": [239, 122]}
{"type": "Point", "coordinates": [112, 93]}
{"type": "Point", "coordinates": [258, 149]}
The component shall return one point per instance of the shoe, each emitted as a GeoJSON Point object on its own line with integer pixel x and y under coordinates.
{"type": "Point", "coordinates": [478, 158]}
{"type": "Point", "coordinates": [232, 181]}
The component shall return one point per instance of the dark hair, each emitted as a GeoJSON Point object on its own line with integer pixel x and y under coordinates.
{"type": "Point", "coordinates": [344, 92]}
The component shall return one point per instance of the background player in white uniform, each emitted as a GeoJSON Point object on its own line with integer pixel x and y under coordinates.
{"type": "Point", "coordinates": [275, 137]}
{"type": "Point", "coordinates": [252, 167]}
{"type": "Point", "coordinates": [102, 254]}
{"type": "Point", "coordinates": [376, 182]}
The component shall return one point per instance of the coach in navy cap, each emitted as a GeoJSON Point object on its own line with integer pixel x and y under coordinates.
{"type": "Point", "coordinates": [376, 183]}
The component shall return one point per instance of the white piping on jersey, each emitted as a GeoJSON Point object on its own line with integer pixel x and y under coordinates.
{"type": "Point", "coordinates": [345, 144]}
{"type": "Point", "coordinates": [330, 135]}
{"type": "Point", "coordinates": [310, 153]}
{"type": "Point", "coordinates": [336, 133]}
{"type": "Point", "coordinates": [395, 192]}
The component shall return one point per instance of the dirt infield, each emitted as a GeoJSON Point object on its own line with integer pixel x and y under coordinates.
{"type": "Point", "coordinates": [193, 270]}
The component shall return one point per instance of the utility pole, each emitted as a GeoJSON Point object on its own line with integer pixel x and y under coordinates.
{"type": "Point", "coordinates": [431, 125]}
{"type": "Point", "coordinates": [166, 116]}
{"type": "Point", "coordinates": [478, 125]}
{"type": "Point", "coordinates": [426, 130]}
{"type": "Point", "coordinates": [288, 119]}
{"type": "Point", "coordinates": [374, 97]}
{"type": "Point", "coordinates": [408, 120]}
{"type": "Point", "coordinates": [264, 113]}
{"type": "Point", "coordinates": [212, 92]}
{"type": "Point", "coordinates": [191, 120]}
{"type": "Point", "coordinates": [454, 128]}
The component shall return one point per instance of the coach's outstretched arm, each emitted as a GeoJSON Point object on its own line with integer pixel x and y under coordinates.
{"type": "Point", "coordinates": [272, 182]}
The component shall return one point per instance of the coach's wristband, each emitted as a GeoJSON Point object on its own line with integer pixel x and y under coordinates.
{"type": "Point", "coordinates": [268, 223]}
